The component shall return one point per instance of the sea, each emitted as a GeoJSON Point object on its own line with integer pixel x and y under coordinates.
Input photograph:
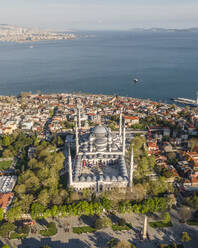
{"type": "Point", "coordinates": [104, 62]}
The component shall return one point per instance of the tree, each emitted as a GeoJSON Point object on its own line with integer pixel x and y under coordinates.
{"type": "Point", "coordinates": [143, 164]}
{"type": "Point", "coordinates": [5, 246]}
{"type": "Point", "coordinates": [171, 155]}
{"type": "Point", "coordinates": [184, 213]}
{"type": "Point", "coordinates": [166, 217]}
{"type": "Point", "coordinates": [20, 189]}
{"type": "Point", "coordinates": [185, 237]}
{"type": "Point", "coordinates": [152, 161]}
{"type": "Point", "coordinates": [6, 141]}
{"type": "Point", "coordinates": [59, 141]}
{"type": "Point", "coordinates": [171, 200]}
{"type": "Point", "coordinates": [102, 222]}
{"type": "Point", "coordinates": [43, 197]}
{"type": "Point", "coordinates": [120, 244]}
{"type": "Point", "coordinates": [6, 228]}
{"type": "Point", "coordinates": [159, 186]}
{"type": "Point", "coordinates": [7, 153]}
{"type": "Point", "coordinates": [23, 229]}
{"type": "Point", "coordinates": [37, 211]}
{"type": "Point", "coordinates": [54, 210]}
{"type": "Point", "coordinates": [1, 214]}
{"type": "Point", "coordinates": [139, 191]}
{"type": "Point", "coordinates": [24, 201]}
{"type": "Point", "coordinates": [192, 201]}
{"type": "Point", "coordinates": [13, 213]}
{"type": "Point", "coordinates": [122, 222]}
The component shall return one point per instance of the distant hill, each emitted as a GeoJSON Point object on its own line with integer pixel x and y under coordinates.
{"type": "Point", "coordinates": [164, 30]}
{"type": "Point", "coordinates": [7, 26]}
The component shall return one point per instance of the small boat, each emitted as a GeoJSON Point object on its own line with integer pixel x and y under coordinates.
{"type": "Point", "coordinates": [135, 80]}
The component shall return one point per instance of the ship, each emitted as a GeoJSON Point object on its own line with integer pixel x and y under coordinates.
{"type": "Point", "coordinates": [135, 80]}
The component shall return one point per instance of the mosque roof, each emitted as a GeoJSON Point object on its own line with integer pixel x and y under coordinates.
{"type": "Point", "coordinates": [100, 130]}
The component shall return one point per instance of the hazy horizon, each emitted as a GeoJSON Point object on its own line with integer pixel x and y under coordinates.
{"type": "Point", "coordinates": [100, 14]}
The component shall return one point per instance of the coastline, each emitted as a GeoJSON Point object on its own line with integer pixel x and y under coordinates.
{"type": "Point", "coordinates": [35, 41]}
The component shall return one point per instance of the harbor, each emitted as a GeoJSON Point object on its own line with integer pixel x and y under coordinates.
{"type": "Point", "coordinates": [187, 101]}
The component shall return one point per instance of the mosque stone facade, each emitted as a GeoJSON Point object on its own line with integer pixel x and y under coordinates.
{"type": "Point", "coordinates": [99, 163]}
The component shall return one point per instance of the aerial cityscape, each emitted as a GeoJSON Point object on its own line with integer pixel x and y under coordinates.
{"type": "Point", "coordinates": [121, 158]}
{"type": "Point", "coordinates": [19, 34]}
{"type": "Point", "coordinates": [98, 124]}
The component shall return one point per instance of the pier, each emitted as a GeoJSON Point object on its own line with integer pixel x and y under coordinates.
{"type": "Point", "coordinates": [187, 101]}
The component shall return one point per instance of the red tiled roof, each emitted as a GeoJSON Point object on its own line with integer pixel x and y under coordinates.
{"type": "Point", "coordinates": [4, 199]}
{"type": "Point", "coordinates": [131, 117]}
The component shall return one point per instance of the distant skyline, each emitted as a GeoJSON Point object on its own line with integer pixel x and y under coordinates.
{"type": "Point", "coordinates": [100, 14]}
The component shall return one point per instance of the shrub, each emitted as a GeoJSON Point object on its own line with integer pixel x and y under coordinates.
{"type": "Point", "coordinates": [173, 245]}
{"type": "Point", "coordinates": [50, 231]}
{"type": "Point", "coordinates": [184, 213]}
{"type": "Point", "coordinates": [23, 229]}
{"type": "Point", "coordinates": [192, 201]}
{"type": "Point", "coordinates": [15, 235]}
{"type": "Point", "coordinates": [83, 229]}
{"type": "Point", "coordinates": [102, 222]}
{"type": "Point", "coordinates": [166, 217]}
{"type": "Point", "coordinates": [122, 222]}
{"type": "Point", "coordinates": [121, 244]}
{"type": "Point", "coordinates": [192, 222]}
{"type": "Point", "coordinates": [185, 237]}
{"type": "Point", "coordinates": [163, 245]}
{"type": "Point", "coordinates": [158, 224]}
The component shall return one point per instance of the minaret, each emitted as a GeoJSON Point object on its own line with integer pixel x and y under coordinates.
{"type": "Point", "coordinates": [131, 169]}
{"type": "Point", "coordinates": [120, 130]}
{"type": "Point", "coordinates": [145, 228]}
{"type": "Point", "coordinates": [91, 146]}
{"type": "Point", "coordinates": [77, 141]}
{"type": "Point", "coordinates": [70, 166]}
{"type": "Point", "coordinates": [79, 121]}
{"type": "Point", "coordinates": [124, 139]}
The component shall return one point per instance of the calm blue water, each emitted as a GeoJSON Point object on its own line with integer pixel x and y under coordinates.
{"type": "Point", "coordinates": [165, 63]}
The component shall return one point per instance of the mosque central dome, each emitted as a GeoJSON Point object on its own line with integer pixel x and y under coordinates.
{"type": "Point", "coordinates": [101, 130]}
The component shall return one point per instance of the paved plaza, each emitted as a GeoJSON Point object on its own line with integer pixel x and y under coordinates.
{"type": "Point", "coordinates": [100, 238]}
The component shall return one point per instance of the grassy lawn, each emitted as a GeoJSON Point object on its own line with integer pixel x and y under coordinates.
{"type": "Point", "coordinates": [4, 165]}
{"type": "Point", "coordinates": [89, 229]}
{"type": "Point", "coordinates": [116, 227]}
{"type": "Point", "coordinates": [83, 229]}
{"type": "Point", "coordinates": [158, 224]}
{"type": "Point", "coordinates": [192, 222]}
{"type": "Point", "coordinates": [50, 231]}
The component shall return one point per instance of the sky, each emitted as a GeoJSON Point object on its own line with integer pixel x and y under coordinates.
{"type": "Point", "coordinates": [100, 14]}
